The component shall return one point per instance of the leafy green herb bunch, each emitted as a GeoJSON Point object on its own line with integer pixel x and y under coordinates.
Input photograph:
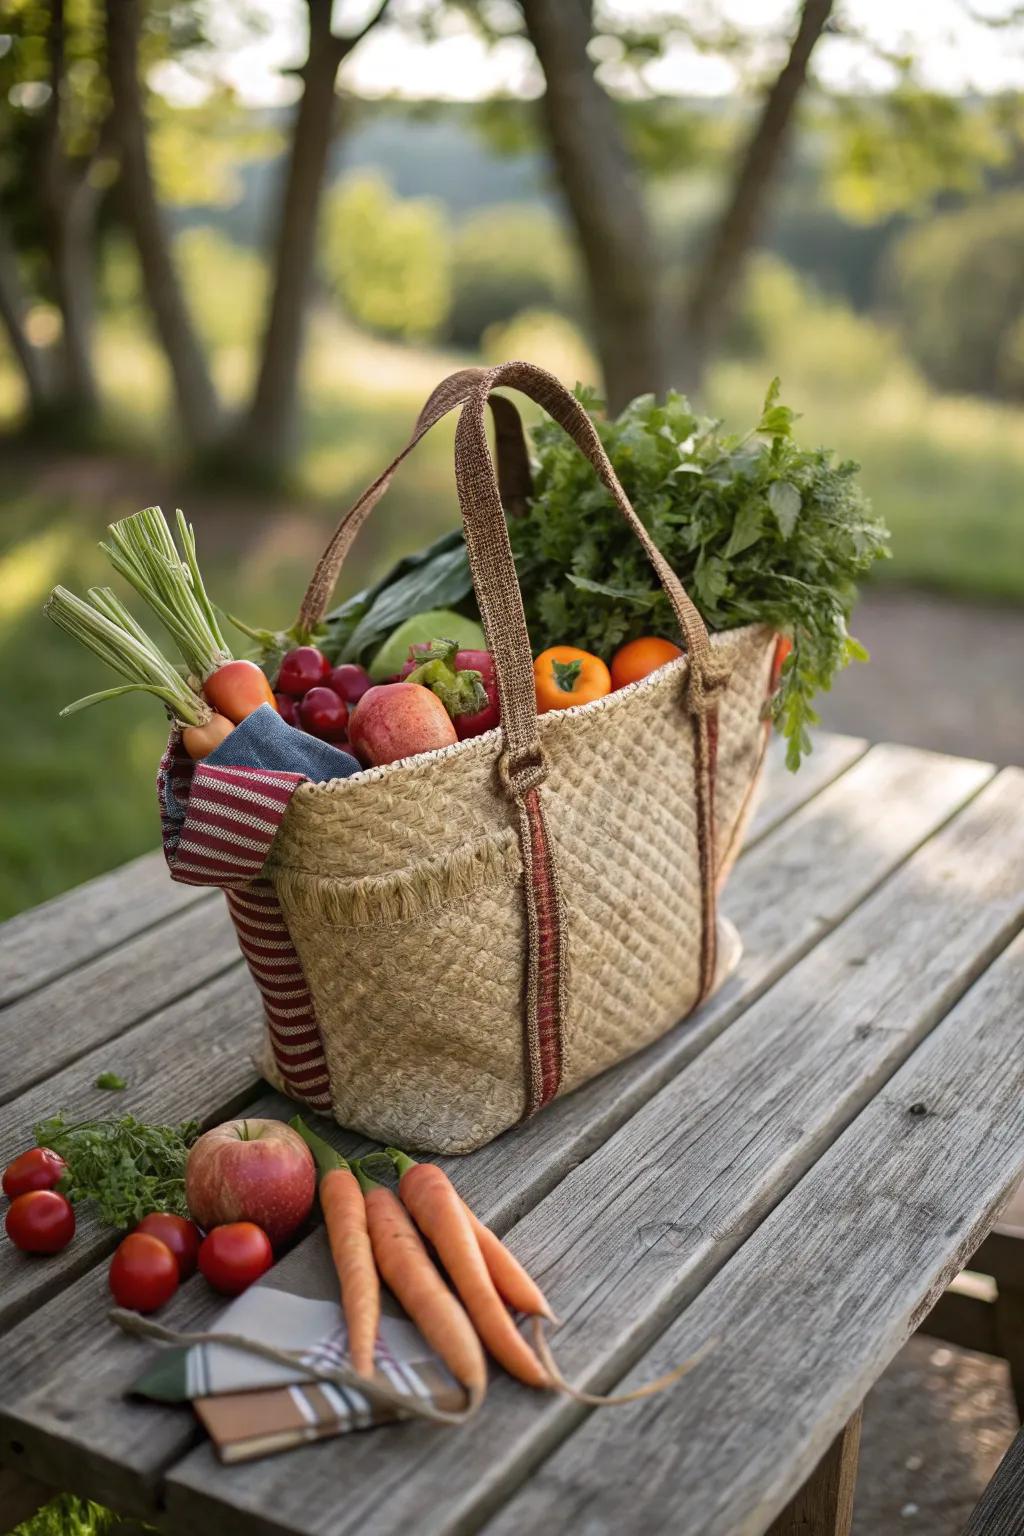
{"type": "Point", "coordinates": [757, 528]}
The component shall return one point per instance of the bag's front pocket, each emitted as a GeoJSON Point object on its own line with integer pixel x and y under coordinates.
{"type": "Point", "coordinates": [417, 982]}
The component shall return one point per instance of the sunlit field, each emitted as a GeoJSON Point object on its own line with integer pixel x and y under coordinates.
{"type": "Point", "coordinates": [78, 793]}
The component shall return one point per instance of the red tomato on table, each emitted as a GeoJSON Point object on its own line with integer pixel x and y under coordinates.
{"type": "Point", "coordinates": [143, 1273]}
{"type": "Point", "coordinates": [38, 1168]}
{"type": "Point", "coordinates": [233, 1256]}
{"type": "Point", "coordinates": [40, 1221]}
{"type": "Point", "coordinates": [181, 1236]}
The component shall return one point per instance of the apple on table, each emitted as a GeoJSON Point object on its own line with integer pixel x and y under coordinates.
{"type": "Point", "coordinates": [251, 1170]}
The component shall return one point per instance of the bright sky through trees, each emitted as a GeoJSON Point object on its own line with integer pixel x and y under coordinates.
{"type": "Point", "coordinates": [957, 51]}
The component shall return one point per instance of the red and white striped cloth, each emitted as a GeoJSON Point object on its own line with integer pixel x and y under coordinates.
{"type": "Point", "coordinates": [218, 825]}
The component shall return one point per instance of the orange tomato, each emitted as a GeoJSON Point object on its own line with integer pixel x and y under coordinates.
{"type": "Point", "coordinates": [565, 676]}
{"type": "Point", "coordinates": [639, 658]}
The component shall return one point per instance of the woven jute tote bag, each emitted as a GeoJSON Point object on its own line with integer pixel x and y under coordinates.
{"type": "Point", "coordinates": [448, 943]}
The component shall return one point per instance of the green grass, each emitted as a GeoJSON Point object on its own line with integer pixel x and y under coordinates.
{"type": "Point", "coordinates": [78, 793]}
{"type": "Point", "coordinates": [946, 473]}
{"type": "Point", "coordinates": [70, 1516]}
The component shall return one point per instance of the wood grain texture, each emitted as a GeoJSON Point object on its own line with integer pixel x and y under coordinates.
{"type": "Point", "coordinates": [550, 1144]}
{"type": "Point", "coordinates": [824, 1505]}
{"type": "Point", "coordinates": [189, 1061]}
{"type": "Point", "coordinates": [63, 1413]}
{"type": "Point", "coordinates": [810, 1311]}
{"type": "Point", "coordinates": [825, 859]}
{"type": "Point", "coordinates": [53, 1025]}
{"type": "Point", "coordinates": [783, 792]}
{"type": "Point", "coordinates": [52, 939]}
{"type": "Point", "coordinates": [1000, 1510]}
{"type": "Point", "coordinates": [633, 1233]}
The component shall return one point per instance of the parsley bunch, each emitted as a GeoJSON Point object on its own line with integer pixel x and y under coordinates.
{"type": "Point", "coordinates": [127, 1168]}
{"type": "Point", "coordinates": [757, 529]}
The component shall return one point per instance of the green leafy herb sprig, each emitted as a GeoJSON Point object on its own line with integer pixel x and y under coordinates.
{"type": "Point", "coordinates": [757, 529]}
{"type": "Point", "coordinates": [127, 1168]}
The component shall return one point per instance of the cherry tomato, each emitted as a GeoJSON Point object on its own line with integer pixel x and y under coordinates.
{"type": "Point", "coordinates": [302, 669]}
{"type": "Point", "coordinates": [287, 708]}
{"type": "Point", "coordinates": [143, 1273]}
{"type": "Point", "coordinates": [40, 1221]}
{"type": "Point", "coordinates": [349, 681]}
{"type": "Point", "coordinates": [39, 1168]}
{"type": "Point", "coordinates": [233, 1256]}
{"type": "Point", "coordinates": [324, 713]}
{"type": "Point", "coordinates": [181, 1236]}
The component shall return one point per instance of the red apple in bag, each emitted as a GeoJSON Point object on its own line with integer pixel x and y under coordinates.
{"type": "Point", "coordinates": [396, 720]}
{"type": "Point", "coordinates": [251, 1170]}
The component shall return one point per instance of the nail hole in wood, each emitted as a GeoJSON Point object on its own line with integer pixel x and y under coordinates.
{"type": "Point", "coordinates": [919, 1109]}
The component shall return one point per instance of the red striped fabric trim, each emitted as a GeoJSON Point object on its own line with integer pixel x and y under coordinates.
{"type": "Point", "coordinates": [231, 816]}
{"type": "Point", "coordinates": [546, 1009]}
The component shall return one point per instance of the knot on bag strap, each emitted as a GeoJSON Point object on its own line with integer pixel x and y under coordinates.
{"type": "Point", "coordinates": [708, 679]}
{"type": "Point", "coordinates": [520, 772]}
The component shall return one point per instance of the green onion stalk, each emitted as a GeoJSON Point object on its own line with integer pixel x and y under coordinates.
{"type": "Point", "coordinates": [105, 626]}
{"type": "Point", "coordinates": [143, 551]}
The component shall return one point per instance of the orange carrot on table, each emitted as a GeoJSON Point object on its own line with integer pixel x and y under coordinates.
{"type": "Point", "coordinates": [511, 1280]}
{"type": "Point", "coordinates": [409, 1273]}
{"type": "Point", "coordinates": [439, 1212]}
{"type": "Point", "coordinates": [341, 1200]}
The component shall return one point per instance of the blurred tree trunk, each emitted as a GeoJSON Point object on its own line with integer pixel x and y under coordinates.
{"type": "Point", "coordinates": [69, 201]}
{"type": "Point", "coordinates": [270, 429]}
{"type": "Point", "coordinates": [604, 199]}
{"type": "Point", "coordinates": [708, 303]}
{"type": "Point", "coordinates": [198, 405]}
{"type": "Point", "coordinates": [35, 362]}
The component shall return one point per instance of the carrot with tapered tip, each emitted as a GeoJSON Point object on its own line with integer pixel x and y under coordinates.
{"type": "Point", "coordinates": [437, 1209]}
{"type": "Point", "coordinates": [409, 1273]}
{"type": "Point", "coordinates": [511, 1281]}
{"type": "Point", "coordinates": [341, 1200]}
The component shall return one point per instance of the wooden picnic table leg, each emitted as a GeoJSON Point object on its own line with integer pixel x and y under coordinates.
{"type": "Point", "coordinates": [20, 1497]}
{"type": "Point", "coordinates": [824, 1505]}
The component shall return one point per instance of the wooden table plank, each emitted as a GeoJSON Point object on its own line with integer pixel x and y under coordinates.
{"type": "Point", "coordinates": [632, 1233]}
{"type": "Point", "coordinates": [826, 859]}
{"type": "Point", "coordinates": [48, 941]}
{"type": "Point", "coordinates": [189, 1061]}
{"type": "Point", "coordinates": [63, 1412]}
{"type": "Point", "coordinates": [554, 1141]}
{"type": "Point", "coordinates": [818, 900]}
{"type": "Point", "coordinates": [94, 1004]}
{"type": "Point", "coordinates": [810, 1312]}
{"type": "Point", "coordinates": [784, 792]}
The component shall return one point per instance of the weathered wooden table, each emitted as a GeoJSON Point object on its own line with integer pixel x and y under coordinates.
{"type": "Point", "coordinates": [797, 1171]}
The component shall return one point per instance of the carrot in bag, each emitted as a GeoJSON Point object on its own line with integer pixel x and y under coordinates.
{"type": "Point", "coordinates": [341, 1200]}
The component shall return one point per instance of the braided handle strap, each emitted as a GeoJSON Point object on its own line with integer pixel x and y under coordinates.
{"type": "Point", "coordinates": [481, 497]}
{"type": "Point", "coordinates": [522, 765]}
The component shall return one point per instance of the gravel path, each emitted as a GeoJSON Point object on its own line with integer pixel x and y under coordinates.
{"type": "Point", "coordinates": [943, 674]}
{"type": "Point", "coordinates": [935, 1428]}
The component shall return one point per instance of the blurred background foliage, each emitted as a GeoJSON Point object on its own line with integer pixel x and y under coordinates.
{"type": "Point", "coordinates": [240, 305]}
